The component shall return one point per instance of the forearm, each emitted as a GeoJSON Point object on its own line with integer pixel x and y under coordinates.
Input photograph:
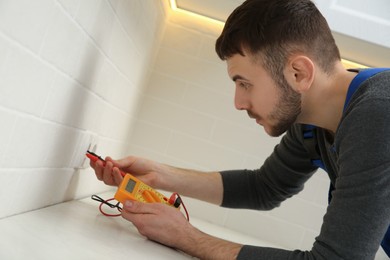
{"type": "Point", "coordinates": [206, 186]}
{"type": "Point", "coordinates": [204, 246]}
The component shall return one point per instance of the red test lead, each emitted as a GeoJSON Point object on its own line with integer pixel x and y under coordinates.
{"type": "Point", "coordinates": [132, 188]}
{"type": "Point", "coordinates": [94, 157]}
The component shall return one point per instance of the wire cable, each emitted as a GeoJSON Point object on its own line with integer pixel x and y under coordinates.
{"type": "Point", "coordinates": [175, 200]}
{"type": "Point", "coordinates": [106, 202]}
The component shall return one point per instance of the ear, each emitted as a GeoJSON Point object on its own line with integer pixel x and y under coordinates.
{"type": "Point", "coordinates": [299, 73]}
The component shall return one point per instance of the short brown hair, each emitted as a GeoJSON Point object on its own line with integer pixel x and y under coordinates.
{"type": "Point", "coordinates": [275, 29]}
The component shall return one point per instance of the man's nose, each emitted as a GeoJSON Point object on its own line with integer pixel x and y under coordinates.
{"type": "Point", "coordinates": [240, 101]}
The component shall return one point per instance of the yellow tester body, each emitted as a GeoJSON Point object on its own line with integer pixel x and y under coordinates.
{"type": "Point", "coordinates": [132, 188]}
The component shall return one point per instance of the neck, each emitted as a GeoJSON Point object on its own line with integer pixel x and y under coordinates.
{"type": "Point", "coordinates": [323, 103]}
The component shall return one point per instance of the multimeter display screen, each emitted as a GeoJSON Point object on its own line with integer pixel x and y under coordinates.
{"type": "Point", "coordinates": [130, 185]}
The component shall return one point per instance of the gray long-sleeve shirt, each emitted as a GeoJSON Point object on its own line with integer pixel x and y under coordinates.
{"type": "Point", "coordinates": [357, 160]}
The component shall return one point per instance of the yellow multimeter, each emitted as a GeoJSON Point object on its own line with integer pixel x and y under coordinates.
{"type": "Point", "coordinates": [132, 188]}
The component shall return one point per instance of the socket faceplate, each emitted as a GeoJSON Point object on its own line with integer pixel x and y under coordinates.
{"type": "Point", "coordinates": [87, 141]}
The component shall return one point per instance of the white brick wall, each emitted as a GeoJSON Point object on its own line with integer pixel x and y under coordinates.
{"type": "Point", "coordinates": [188, 119]}
{"type": "Point", "coordinates": [67, 67]}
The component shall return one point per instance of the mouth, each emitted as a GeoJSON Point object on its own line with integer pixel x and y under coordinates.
{"type": "Point", "coordinates": [253, 116]}
{"type": "Point", "coordinates": [258, 121]}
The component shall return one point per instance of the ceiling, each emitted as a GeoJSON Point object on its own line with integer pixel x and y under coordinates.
{"type": "Point", "coordinates": [360, 30]}
{"type": "Point", "coordinates": [216, 9]}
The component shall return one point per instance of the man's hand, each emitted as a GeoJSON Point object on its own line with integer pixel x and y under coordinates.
{"type": "Point", "coordinates": [168, 226]}
{"type": "Point", "coordinates": [107, 173]}
{"type": "Point", "coordinates": [144, 169]}
{"type": "Point", "coordinates": [157, 221]}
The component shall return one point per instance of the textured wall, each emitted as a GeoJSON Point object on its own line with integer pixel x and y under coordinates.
{"type": "Point", "coordinates": [68, 68]}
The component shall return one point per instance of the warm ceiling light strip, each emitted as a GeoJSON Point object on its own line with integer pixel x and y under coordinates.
{"type": "Point", "coordinates": [203, 17]}
{"type": "Point", "coordinates": [352, 65]}
{"type": "Point", "coordinates": [173, 5]}
{"type": "Point", "coordinates": [346, 63]}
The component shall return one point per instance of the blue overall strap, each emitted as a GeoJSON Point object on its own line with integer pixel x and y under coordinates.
{"type": "Point", "coordinates": [310, 142]}
{"type": "Point", "coordinates": [356, 82]}
{"type": "Point", "coordinates": [386, 242]}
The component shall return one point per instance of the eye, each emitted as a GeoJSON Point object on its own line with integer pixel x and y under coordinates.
{"type": "Point", "coordinates": [243, 85]}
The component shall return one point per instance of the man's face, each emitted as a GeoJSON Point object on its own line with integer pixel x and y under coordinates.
{"type": "Point", "coordinates": [275, 107]}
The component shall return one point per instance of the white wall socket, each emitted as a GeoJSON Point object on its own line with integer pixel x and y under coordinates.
{"type": "Point", "coordinates": [88, 141]}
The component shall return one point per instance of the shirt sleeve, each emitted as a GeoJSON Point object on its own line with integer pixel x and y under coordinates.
{"type": "Point", "coordinates": [283, 174]}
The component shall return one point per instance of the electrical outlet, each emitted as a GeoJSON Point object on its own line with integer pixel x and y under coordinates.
{"type": "Point", "coordinates": [88, 141]}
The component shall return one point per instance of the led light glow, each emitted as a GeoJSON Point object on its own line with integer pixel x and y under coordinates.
{"type": "Point", "coordinates": [195, 15]}
{"type": "Point", "coordinates": [346, 63]}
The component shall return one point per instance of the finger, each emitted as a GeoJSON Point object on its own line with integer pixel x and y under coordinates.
{"type": "Point", "coordinates": [107, 173]}
{"type": "Point", "coordinates": [98, 167]}
{"type": "Point", "coordinates": [124, 162]}
{"type": "Point", "coordinates": [136, 207]}
{"type": "Point", "coordinates": [117, 176]}
{"type": "Point", "coordinates": [109, 159]}
{"type": "Point", "coordinates": [92, 164]}
{"type": "Point", "coordinates": [114, 162]}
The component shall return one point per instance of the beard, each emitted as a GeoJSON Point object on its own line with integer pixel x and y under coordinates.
{"type": "Point", "coordinates": [286, 110]}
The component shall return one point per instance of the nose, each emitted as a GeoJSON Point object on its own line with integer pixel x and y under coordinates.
{"type": "Point", "coordinates": [240, 101]}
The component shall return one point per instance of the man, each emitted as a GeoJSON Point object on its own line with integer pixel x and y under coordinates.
{"type": "Point", "coordinates": [287, 71]}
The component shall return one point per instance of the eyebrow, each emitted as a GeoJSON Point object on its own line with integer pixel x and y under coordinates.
{"type": "Point", "coordinates": [237, 77]}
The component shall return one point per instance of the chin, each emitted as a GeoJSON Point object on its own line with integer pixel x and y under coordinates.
{"type": "Point", "coordinates": [270, 131]}
{"type": "Point", "coordinates": [275, 134]}
{"type": "Point", "coordinates": [274, 131]}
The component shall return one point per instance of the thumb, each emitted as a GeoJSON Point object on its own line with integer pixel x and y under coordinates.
{"type": "Point", "coordinates": [124, 162]}
{"type": "Point", "coordinates": [119, 164]}
{"type": "Point", "coordinates": [137, 207]}
{"type": "Point", "coordinates": [128, 205]}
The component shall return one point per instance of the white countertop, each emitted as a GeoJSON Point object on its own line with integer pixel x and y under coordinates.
{"type": "Point", "coordinates": [77, 230]}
